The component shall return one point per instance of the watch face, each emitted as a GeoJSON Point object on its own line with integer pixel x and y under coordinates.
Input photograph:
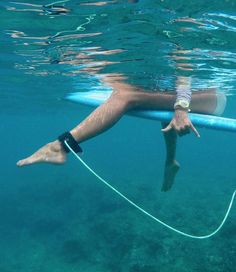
{"type": "Point", "coordinates": [184, 104]}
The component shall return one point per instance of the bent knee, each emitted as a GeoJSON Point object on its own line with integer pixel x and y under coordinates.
{"type": "Point", "coordinates": [127, 99]}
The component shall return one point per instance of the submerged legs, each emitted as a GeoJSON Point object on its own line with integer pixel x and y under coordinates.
{"type": "Point", "coordinates": [124, 98]}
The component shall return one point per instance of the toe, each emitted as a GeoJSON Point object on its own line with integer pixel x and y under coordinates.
{"type": "Point", "coordinates": [24, 162]}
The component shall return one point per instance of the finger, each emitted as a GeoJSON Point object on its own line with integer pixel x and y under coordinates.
{"type": "Point", "coordinates": [195, 131]}
{"type": "Point", "coordinates": [168, 128]}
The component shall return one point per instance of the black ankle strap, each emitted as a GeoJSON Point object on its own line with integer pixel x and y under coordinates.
{"type": "Point", "coordinates": [70, 140]}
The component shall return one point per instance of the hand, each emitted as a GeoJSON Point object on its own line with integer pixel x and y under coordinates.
{"type": "Point", "coordinates": [181, 124]}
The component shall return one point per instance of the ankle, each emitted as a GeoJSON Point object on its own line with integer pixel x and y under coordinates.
{"type": "Point", "coordinates": [56, 146]}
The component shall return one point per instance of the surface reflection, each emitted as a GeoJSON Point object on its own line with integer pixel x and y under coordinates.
{"type": "Point", "coordinates": [152, 45]}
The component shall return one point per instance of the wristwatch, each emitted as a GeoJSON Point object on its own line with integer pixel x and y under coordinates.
{"type": "Point", "coordinates": [182, 104]}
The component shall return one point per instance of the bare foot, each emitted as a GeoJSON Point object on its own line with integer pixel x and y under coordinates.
{"type": "Point", "coordinates": [50, 153]}
{"type": "Point", "coordinates": [170, 172]}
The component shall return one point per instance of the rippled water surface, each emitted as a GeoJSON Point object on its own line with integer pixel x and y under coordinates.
{"type": "Point", "coordinates": [58, 219]}
{"type": "Point", "coordinates": [150, 42]}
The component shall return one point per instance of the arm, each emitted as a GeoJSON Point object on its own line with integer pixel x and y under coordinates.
{"type": "Point", "coordinates": [181, 122]}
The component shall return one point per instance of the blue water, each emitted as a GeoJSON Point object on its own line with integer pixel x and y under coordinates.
{"type": "Point", "coordinates": [59, 218]}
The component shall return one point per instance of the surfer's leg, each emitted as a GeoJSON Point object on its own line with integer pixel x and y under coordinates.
{"type": "Point", "coordinates": [105, 116]}
{"type": "Point", "coordinates": [101, 119]}
{"type": "Point", "coordinates": [123, 99]}
{"type": "Point", "coordinates": [97, 122]}
{"type": "Point", "coordinates": [205, 101]}
{"type": "Point", "coordinates": [171, 165]}
{"type": "Point", "coordinates": [208, 101]}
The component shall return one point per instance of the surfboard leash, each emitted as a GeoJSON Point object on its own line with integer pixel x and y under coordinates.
{"type": "Point", "coordinates": [150, 215]}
